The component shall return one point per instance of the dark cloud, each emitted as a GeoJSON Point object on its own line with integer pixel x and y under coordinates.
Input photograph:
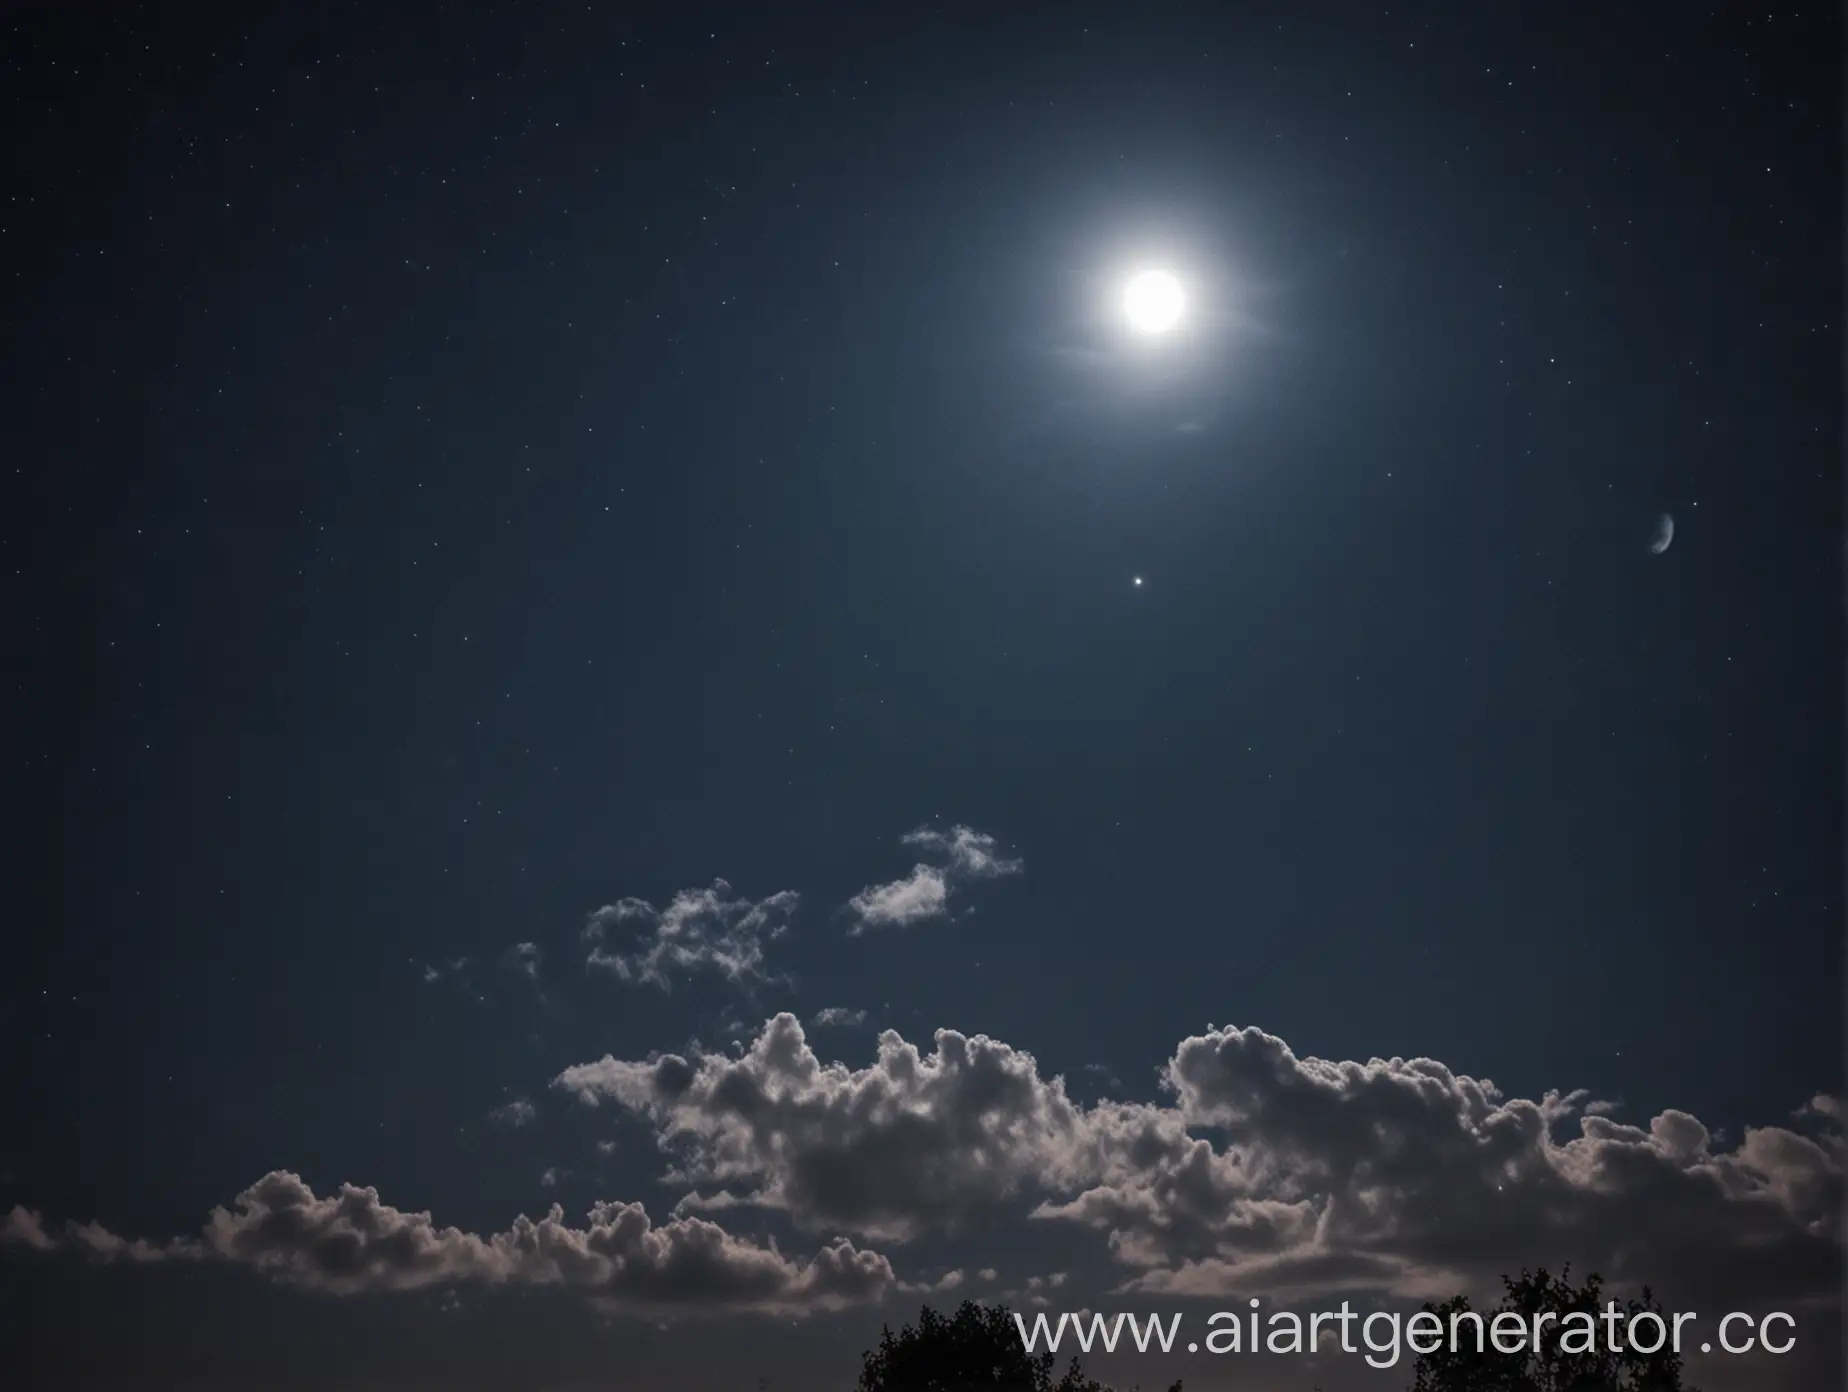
{"type": "Point", "coordinates": [966, 855]}
{"type": "Point", "coordinates": [700, 931]}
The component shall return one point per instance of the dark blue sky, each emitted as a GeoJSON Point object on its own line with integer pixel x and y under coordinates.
{"type": "Point", "coordinates": [469, 469]}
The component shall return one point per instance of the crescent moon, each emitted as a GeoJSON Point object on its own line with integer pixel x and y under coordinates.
{"type": "Point", "coordinates": [1665, 533]}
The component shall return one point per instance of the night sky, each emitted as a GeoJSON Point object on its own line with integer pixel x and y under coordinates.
{"type": "Point", "coordinates": [609, 611]}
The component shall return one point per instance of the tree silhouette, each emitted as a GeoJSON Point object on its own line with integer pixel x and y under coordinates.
{"type": "Point", "coordinates": [976, 1349]}
{"type": "Point", "coordinates": [1550, 1367]}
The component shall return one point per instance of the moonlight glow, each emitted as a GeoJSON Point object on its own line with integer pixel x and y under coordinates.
{"type": "Point", "coordinates": [1153, 302]}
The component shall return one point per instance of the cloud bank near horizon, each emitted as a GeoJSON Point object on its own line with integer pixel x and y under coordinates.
{"type": "Point", "coordinates": [1257, 1172]}
{"type": "Point", "coordinates": [1254, 1171]}
{"type": "Point", "coordinates": [351, 1242]}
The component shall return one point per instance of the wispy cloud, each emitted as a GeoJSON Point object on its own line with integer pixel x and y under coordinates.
{"type": "Point", "coordinates": [962, 855]}
{"type": "Point", "coordinates": [516, 1113]}
{"type": "Point", "coordinates": [433, 972]}
{"type": "Point", "coordinates": [700, 931]}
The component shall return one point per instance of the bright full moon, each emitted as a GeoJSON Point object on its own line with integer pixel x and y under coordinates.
{"type": "Point", "coordinates": [1153, 302]}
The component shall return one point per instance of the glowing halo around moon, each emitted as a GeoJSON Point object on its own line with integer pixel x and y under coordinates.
{"type": "Point", "coordinates": [1153, 302]}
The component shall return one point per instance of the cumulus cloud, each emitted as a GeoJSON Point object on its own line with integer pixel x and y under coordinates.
{"type": "Point", "coordinates": [964, 854]}
{"type": "Point", "coordinates": [910, 1142]}
{"type": "Point", "coordinates": [837, 1017]}
{"type": "Point", "coordinates": [700, 931]}
{"type": "Point", "coordinates": [1257, 1171]}
{"type": "Point", "coordinates": [350, 1242]}
{"type": "Point", "coordinates": [524, 958]}
{"type": "Point", "coordinates": [1254, 1170]}
{"type": "Point", "coordinates": [1404, 1175]}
